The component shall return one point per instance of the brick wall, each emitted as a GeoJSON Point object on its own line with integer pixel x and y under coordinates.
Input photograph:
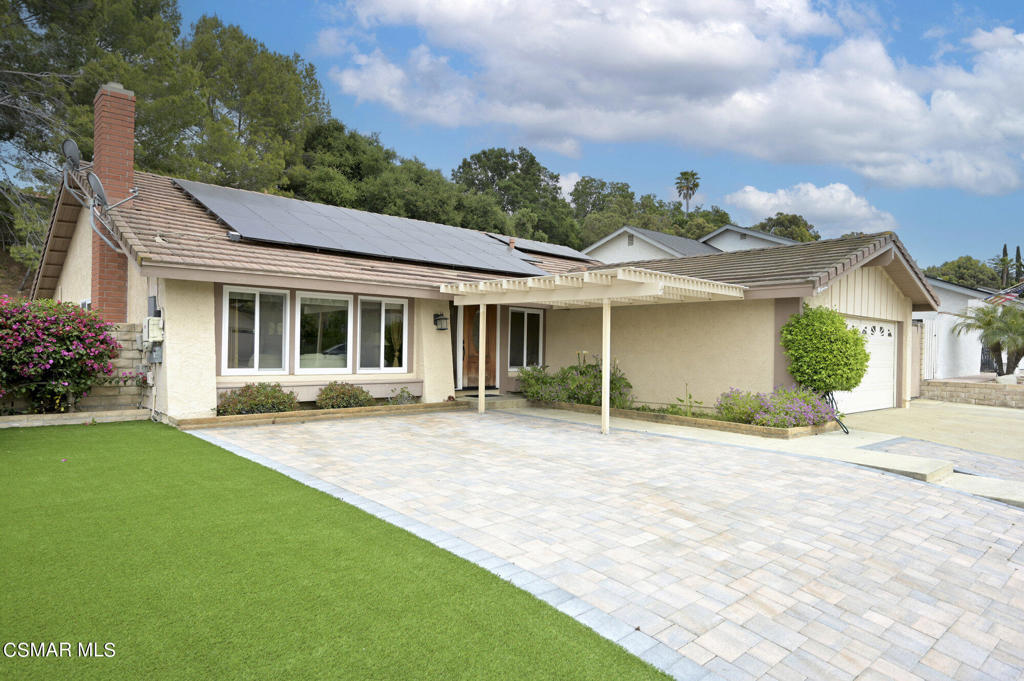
{"type": "Point", "coordinates": [992, 394]}
{"type": "Point", "coordinates": [114, 164]}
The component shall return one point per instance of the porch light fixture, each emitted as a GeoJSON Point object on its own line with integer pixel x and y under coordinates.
{"type": "Point", "coordinates": [440, 322]}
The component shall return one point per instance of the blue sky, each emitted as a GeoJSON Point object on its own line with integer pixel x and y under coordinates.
{"type": "Point", "coordinates": [858, 115]}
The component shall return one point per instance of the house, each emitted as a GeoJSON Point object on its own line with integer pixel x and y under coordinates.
{"type": "Point", "coordinates": [635, 243]}
{"type": "Point", "coordinates": [733, 238]}
{"type": "Point", "coordinates": [237, 286]}
{"type": "Point", "coordinates": [946, 354]}
{"type": "Point", "coordinates": [720, 327]}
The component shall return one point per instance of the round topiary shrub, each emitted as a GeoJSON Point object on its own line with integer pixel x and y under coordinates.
{"type": "Point", "coordinates": [337, 395]}
{"type": "Point", "coordinates": [52, 353]}
{"type": "Point", "coordinates": [824, 355]}
{"type": "Point", "coordinates": [257, 398]}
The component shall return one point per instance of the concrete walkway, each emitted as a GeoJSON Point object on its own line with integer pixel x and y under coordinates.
{"type": "Point", "coordinates": [744, 563]}
{"type": "Point", "coordinates": [991, 430]}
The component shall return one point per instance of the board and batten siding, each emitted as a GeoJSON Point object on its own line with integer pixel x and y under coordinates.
{"type": "Point", "coordinates": [869, 293]}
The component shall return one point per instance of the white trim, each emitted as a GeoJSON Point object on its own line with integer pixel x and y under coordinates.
{"type": "Point", "coordinates": [461, 349]}
{"type": "Point", "coordinates": [405, 336]}
{"type": "Point", "coordinates": [299, 295]}
{"type": "Point", "coordinates": [540, 340]}
{"type": "Point", "coordinates": [757, 234]}
{"type": "Point", "coordinates": [226, 296]}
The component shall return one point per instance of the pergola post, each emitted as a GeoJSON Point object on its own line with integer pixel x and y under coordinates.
{"type": "Point", "coordinates": [482, 362]}
{"type": "Point", "coordinates": [606, 364]}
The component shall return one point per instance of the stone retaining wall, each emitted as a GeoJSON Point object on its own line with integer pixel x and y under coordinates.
{"type": "Point", "coordinates": [991, 394]}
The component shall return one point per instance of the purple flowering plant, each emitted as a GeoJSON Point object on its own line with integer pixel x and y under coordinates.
{"type": "Point", "coordinates": [782, 408]}
{"type": "Point", "coordinates": [52, 353]}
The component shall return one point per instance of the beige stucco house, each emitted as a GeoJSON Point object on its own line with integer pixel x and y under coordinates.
{"type": "Point", "coordinates": [242, 287]}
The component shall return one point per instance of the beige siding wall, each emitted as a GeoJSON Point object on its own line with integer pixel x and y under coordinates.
{"type": "Point", "coordinates": [75, 282]}
{"type": "Point", "coordinates": [710, 347]}
{"type": "Point", "coordinates": [138, 292]}
{"type": "Point", "coordinates": [870, 293]}
{"type": "Point", "coordinates": [186, 381]}
{"type": "Point", "coordinates": [619, 250]}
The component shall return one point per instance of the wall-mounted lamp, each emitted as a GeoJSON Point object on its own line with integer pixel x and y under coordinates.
{"type": "Point", "coordinates": [440, 322]}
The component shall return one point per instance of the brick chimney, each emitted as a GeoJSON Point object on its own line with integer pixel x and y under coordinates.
{"type": "Point", "coordinates": [114, 164]}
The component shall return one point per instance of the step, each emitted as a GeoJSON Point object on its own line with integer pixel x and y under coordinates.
{"type": "Point", "coordinates": [1007, 491]}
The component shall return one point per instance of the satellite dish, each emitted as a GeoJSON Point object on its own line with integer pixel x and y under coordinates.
{"type": "Point", "coordinates": [71, 153]}
{"type": "Point", "coordinates": [97, 190]}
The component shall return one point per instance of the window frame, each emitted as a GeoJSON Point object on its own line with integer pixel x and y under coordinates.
{"type": "Point", "coordinates": [405, 336]}
{"type": "Point", "coordinates": [297, 363]}
{"type": "Point", "coordinates": [540, 340]}
{"type": "Point", "coordinates": [225, 370]}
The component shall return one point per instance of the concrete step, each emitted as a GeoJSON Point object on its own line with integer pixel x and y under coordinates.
{"type": "Point", "coordinates": [1007, 491]}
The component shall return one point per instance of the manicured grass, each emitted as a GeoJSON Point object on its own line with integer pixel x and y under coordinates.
{"type": "Point", "coordinates": [198, 564]}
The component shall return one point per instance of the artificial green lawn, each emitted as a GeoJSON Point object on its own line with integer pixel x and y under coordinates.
{"type": "Point", "coordinates": [198, 564]}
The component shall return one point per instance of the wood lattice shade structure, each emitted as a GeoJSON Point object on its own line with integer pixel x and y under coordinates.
{"type": "Point", "coordinates": [603, 288]}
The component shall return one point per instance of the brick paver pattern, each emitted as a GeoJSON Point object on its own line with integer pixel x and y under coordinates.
{"type": "Point", "coordinates": [752, 564]}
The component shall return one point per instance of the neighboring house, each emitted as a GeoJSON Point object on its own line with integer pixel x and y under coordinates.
{"type": "Point", "coordinates": [251, 287]}
{"type": "Point", "coordinates": [635, 243]}
{"type": "Point", "coordinates": [944, 353]}
{"type": "Point", "coordinates": [733, 238]}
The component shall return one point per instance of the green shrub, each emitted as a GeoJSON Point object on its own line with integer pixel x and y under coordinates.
{"type": "Point", "coordinates": [402, 396]}
{"type": "Point", "coordinates": [337, 395]}
{"type": "Point", "coordinates": [579, 383]}
{"type": "Point", "coordinates": [736, 405]}
{"type": "Point", "coordinates": [257, 398]}
{"type": "Point", "coordinates": [52, 353]}
{"type": "Point", "coordinates": [824, 355]}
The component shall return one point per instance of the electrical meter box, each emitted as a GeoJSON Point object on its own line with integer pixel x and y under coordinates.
{"type": "Point", "coordinates": [153, 330]}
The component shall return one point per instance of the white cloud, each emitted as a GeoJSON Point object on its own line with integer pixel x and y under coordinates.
{"type": "Point", "coordinates": [737, 75]}
{"type": "Point", "coordinates": [566, 183]}
{"type": "Point", "coordinates": [330, 42]}
{"type": "Point", "coordinates": [834, 209]}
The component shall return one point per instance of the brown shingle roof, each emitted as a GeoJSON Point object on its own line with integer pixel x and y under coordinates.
{"type": "Point", "coordinates": [165, 227]}
{"type": "Point", "coordinates": [813, 265]}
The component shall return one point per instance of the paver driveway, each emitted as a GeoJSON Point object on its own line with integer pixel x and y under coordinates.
{"type": "Point", "coordinates": [753, 564]}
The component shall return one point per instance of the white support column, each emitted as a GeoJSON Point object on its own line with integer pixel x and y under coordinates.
{"type": "Point", "coordinates": [606, 364]}
{"type": "Point", "coordinates": [481, 369]}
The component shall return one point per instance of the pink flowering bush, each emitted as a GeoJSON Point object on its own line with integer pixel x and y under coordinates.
{"type": "Point", "coordinates": [52, 353]}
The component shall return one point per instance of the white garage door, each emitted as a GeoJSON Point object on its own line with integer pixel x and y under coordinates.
{"type": "Point", "coordinates": [878, 388]}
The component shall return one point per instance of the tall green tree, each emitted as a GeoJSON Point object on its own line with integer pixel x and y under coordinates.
{"type": "Point", "coordinates": [789, 226]}
{"type": "Point", "coordinates": [1018, 268]}
{"type": "Point", "coordinates": [687, 183]}
{"type": "Point", "coordinates": [1001, 264]}
{"type": "Point", "coordinates": [965, 271]}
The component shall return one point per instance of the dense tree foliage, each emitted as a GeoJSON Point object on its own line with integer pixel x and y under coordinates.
{"type": "Point", "coordinates": [788, 226]}
{"type": "Point", "coordinates": [965, 271]}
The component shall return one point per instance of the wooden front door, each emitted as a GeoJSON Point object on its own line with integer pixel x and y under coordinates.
{"type": "Point", "coordinates": [471, 346]}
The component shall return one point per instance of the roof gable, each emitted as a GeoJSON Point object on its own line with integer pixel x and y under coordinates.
{"type": "Point", "coordinates": [805, 269]}
{"type": "Point", "coordinates": [672, 245]}
{"type": "Point", "coordinates": [757, 234]}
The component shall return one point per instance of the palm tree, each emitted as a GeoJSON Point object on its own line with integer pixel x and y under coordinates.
{"type": "Point", "coordinates": [686, 185]}
{"type": "Point", "coordinates": [1001, 328]}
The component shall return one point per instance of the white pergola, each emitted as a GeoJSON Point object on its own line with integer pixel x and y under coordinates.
{"type": "Point", "coordinates": [604, 288]}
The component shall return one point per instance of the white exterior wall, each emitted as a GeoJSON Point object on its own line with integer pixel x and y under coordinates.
{"type": "Point", "coordinates": [947, 355]}
{"type": "Point", "coordinates": [75, 282]}
{"type": "Point", "coordinates": [186, 380]}
{"type": "Point", "coordinates": [733, 241]}
{"type": "Point", "coordinates": [619, 250]}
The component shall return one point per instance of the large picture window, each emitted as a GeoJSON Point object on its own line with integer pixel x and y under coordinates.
{"type": "Point", "coordinates": [525, 330]}
{"type": "Point", "coordinates": [382, 335]}
{"type": "Point", "coordinates": [324, 323]}
{"type": "Point", "coordinates": [255, 331]}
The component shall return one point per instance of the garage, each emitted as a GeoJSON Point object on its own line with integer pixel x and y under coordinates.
{"type": "Point", "coordinates": [878, 388]}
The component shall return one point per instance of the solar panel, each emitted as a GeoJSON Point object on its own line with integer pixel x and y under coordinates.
{"type": "Point", "coordinates": [542, 247]}
{"type": "Point", "coordinates": [277, 219]}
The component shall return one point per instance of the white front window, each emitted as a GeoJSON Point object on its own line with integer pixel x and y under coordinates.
{"type": "Point", "coordinates": [324, 324]}
{"type": "Point", "coordinates": [255, 331]}
{"type": "Point", "coordinates": [382, 335]}
{"type": "Point", "coordinates": [525, 332]}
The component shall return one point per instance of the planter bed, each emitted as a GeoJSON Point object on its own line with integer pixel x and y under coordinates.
{"type": "Point", "coordinates": [316, 415]}
{"type": "Point", "coordinates": [73, 418]}
{"type": "Point", "coordinates": [694, 422]}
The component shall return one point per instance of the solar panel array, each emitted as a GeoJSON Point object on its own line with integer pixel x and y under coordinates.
{"type": "Point", "coordinates": [280, 220]}
{"type": "Point", "coordinates": [542, 247]}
